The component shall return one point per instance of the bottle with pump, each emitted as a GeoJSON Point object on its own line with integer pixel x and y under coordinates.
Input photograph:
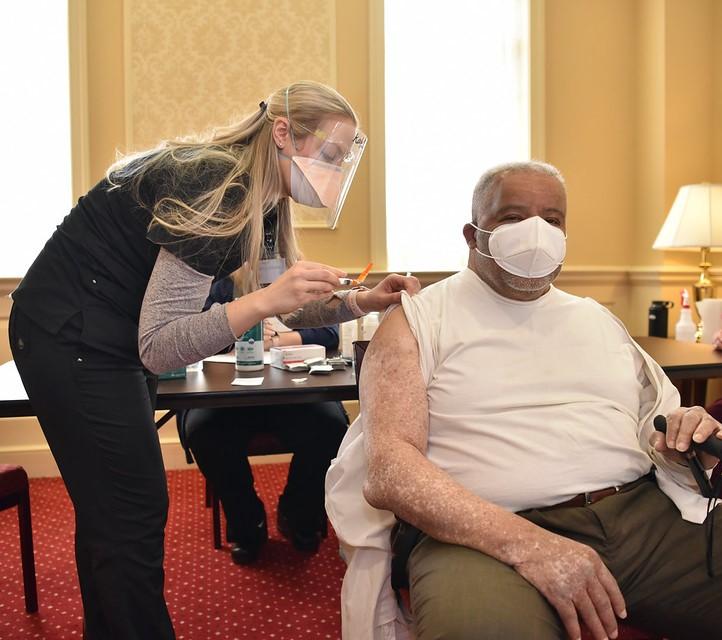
{"type": "Point", "coordinates": [685, 329]}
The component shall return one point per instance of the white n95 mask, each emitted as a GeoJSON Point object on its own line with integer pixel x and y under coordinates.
{"type": "Point", "coordinates": [532, 248]}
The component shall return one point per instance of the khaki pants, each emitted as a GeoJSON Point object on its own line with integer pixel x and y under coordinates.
{"type": "Point", "coordinates": [658, 559]}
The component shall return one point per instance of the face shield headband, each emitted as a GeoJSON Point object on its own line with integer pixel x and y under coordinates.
{"type": "Point", "coordinates": [322, 179]}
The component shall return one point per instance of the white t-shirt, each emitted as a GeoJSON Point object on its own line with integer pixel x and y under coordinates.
{"type": "Point", "coordinates": [530, 403]}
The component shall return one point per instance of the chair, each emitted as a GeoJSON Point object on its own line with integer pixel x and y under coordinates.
{"type": "Point", "coordinates": [15, 492]}
{"type": "Point", "coordinates": [626, 632]}
{"type": "Point", "coordinates": [359, 350]}
{"type": "Point", "coordinates": [262, 444]}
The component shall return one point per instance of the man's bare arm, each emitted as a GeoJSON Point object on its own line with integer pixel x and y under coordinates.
{"type": "Point", "coordinates": [401, 479]}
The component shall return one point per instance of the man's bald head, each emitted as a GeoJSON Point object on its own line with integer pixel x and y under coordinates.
{"type": "Point", "coordinates": [486, 187]}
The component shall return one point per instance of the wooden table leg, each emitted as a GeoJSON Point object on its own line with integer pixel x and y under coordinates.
{"type": "Point", "coordinates": [692, 392]}
{"type": "Point", "coordinates": [699, 392]}
{"type": "Point", "coordinates": [685, 391]}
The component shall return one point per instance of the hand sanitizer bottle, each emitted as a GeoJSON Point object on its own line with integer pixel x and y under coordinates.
{"type": "Point", "coordinates": [685, 329]}
{"type": "Point", "coordinates": [249, 349]}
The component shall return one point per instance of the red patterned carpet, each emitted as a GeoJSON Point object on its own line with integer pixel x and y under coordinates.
{"type": "Point", "coordinates": [286, 596]}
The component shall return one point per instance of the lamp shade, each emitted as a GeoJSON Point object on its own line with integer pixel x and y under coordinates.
{"type": "Point", "coordinates": [695, 219]}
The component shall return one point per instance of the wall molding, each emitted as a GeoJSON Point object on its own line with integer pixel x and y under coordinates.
{"type": "Point", "coordinates": [8, 285]}
{"type": "Point", "coordinates": [671, 275]}
{"type": "Point", "coordinates": [37, 460]}
{"type": "Point", "coordinates": [581, 275]}
{"type": "Point", "coordinates": [577, 276]}
{"type": "Point", "coordinates": [592, 276]}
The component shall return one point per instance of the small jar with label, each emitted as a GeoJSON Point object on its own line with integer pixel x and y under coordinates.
{"type": "Point", "coordinates": [249, 349]}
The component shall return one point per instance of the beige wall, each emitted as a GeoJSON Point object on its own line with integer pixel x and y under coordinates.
{"type": "Point", "coordinates": [590, 128]}
{"type": "Point", "coordinates": [631, 109]}
{"type": "Point", "coordinates": [348, 246]}
{"type": "Point", "coordinates": [106, 95]}
{"type": "Point", "coordinates": [680, 116]}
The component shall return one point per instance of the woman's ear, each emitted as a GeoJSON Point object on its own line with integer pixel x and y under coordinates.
{"type": "Point", "coordinates": [280, 132]}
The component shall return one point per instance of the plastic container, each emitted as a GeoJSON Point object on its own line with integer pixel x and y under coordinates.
{"type": "Point", "coordinates": [349, 333]}
{"type": "Point", "coordinates": [368, 325]}
{"type": "Point", "coordinates": [173, 374]}
{"type": "Point", "coordinates": [249, 349]}
{"type": "Point", "coordinates": [685, 330]}
{"type": "Point", "coordinates": [710, 314]}
{"type": "Point", "coordinates": [658, 318]}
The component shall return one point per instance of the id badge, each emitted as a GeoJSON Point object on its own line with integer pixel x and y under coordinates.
{"type": "Point", "coordinates": [270, 270]}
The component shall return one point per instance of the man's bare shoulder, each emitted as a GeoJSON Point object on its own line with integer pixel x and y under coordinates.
{"type": "Point", "coordinates": [392, 389]}
{"type": "Point", "coordinates": [393, 338]}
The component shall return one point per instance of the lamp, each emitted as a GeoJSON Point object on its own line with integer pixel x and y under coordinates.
{"type": "Point", "coordinates": [694, 223]}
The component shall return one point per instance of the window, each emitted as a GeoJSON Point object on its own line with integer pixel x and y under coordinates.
{"type": "Point", "coordinates": [456, 103]}
{"type": "Point", "coordinates": [35, 162]}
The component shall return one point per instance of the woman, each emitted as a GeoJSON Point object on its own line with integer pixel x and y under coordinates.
{"type": "Point", "coordinates": [116, 295]}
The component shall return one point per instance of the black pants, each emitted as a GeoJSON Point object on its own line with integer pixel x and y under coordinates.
{"type": "Point", "coordinates": [96, 412]}
{"type": "Point", "coordinates": [219, 441]}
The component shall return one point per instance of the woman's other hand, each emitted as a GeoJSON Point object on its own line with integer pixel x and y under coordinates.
{"type": "Point", "coordinates": [268, 334]}
{"type": "Point", "coordinates": [387, 292]}
{"type": "Point", "coordinates": [268, 330]}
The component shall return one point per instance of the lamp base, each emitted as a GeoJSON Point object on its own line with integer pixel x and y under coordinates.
{"type": "Point", "coordinates": [703, 288]}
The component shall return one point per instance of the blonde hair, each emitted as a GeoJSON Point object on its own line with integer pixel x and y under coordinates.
{"type": "Point", "coordinates": [238, 168]}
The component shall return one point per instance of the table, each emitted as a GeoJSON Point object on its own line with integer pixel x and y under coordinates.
{"type": "Point", "coordinates": [211, 388]}
{"type": "Point", "coordinates": [688, 365]}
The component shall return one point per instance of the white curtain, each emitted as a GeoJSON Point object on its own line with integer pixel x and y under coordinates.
{"type": "Point", "coordinates": [35, 157]}
{"type": "Point", "coordinates": [457, 102]}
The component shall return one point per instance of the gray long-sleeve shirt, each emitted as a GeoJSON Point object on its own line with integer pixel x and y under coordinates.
{"type": "Point", "coordinates": [174, 332]}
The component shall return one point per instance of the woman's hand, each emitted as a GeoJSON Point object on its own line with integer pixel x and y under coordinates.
{"type": "Point", "coordinates": [387, 292]}
{"type": "Point", "coordinates": [304, 282]}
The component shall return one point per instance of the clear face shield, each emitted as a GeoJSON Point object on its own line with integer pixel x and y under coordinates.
{"type": "Point", "coordinates": [322, 176]}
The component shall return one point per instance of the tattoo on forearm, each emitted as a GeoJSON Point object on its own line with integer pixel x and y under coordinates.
{"type": "Point", "coordinates": [321, 313]}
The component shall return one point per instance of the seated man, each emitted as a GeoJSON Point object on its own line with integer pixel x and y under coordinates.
{"type": "Point", "coordinates": [512, 424]}
{"type": "Point", "coordinates": [219, 438]}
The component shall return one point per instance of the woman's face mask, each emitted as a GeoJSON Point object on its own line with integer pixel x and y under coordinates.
{"type": "Point", "coordinates": [315, 183]}
{"type": "Point", "coordinates": [532, 248]}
